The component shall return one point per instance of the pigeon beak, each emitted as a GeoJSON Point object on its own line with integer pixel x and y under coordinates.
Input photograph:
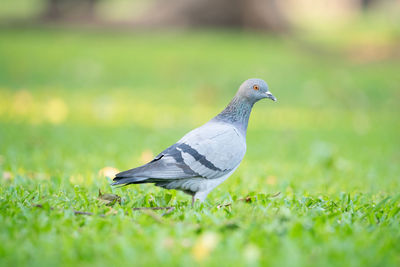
{"type": "Point", "coordinates": [270, 96]}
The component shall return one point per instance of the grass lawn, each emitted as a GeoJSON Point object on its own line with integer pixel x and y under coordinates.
{"type": "Point", "coordinates": [319, 185]}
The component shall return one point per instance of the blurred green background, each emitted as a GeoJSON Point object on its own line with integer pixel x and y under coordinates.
{"type": "Point", "coordinates": [98, 87]}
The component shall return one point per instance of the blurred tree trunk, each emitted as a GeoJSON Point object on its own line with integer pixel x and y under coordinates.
{"type": "Point", "coordinates": [52, 10]}
{"type": "Point", "coordinates": [70, 9]}
{"type": "Point", "coordinates": [254, 14]}
{"type": "Point", "coordinates": [366, 4]}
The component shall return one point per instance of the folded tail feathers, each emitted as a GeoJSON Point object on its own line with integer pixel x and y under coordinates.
{"type": "Point", "coordinates": [128, 180]}
{"type": "Point", "coordinates": [128, 177]}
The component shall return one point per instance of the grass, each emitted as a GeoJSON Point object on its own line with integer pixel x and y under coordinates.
{"type": "Point", "coordinates": [74, 105]}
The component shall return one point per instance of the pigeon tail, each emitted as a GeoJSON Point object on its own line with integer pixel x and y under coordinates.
{"type": "Point", "coordinates": [127, 177]}
{"type": "Point", "coordinates": [129, 180]}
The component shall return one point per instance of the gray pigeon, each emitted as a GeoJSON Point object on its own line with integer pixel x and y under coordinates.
{"type": "Point", "coordinates": [206, 156]}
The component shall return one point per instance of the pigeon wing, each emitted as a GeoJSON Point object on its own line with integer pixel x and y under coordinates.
{"type": "Point", "coordinates": [209, 151]}
{"type": "Point", "coordinates": [213, 150]}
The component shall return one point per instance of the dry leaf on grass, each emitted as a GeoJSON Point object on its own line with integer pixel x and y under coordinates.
{"type": "Point", "coordinates": [109, 199]}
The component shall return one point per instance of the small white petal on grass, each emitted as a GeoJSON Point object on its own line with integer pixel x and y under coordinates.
{"type": "Point", "coordinates": [204, 245]}
{"type": "Point", "coordinates": [109, 172]}
{"type": "Point", "coordinates": [146, 156]}
{"type": "Point", "coordinates": [7, 176]}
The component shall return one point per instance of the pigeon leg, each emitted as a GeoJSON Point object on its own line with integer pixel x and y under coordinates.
{"type": "Point", "coordinates": [193, 200]}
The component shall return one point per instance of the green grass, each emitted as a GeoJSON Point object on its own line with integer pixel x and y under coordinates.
{"type": "Point", "coordinates": [72, 103]}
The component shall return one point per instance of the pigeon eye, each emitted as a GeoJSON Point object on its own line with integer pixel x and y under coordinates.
{"type": "Point", "coordinates": [255, 87]}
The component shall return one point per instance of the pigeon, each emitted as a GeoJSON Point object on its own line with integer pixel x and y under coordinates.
{"type": "Point", "coordinates": [207, 155]}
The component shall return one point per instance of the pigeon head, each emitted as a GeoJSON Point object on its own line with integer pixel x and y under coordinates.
{"type": "Point", "coordinates": [238, 110]}
{"type": "Point", "coordinates": [254, 90]}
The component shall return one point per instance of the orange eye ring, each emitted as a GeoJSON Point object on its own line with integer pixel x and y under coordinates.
{"type": "Point", "coordinates": [255, 87]}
